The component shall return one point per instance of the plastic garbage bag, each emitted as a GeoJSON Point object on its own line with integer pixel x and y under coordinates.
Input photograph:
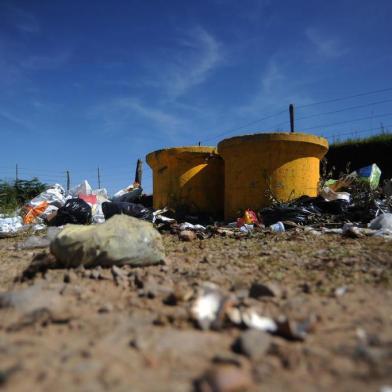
{"type": "Point", "coordinates": [302, 210]}
{"type": "Point", "coordinates": [10, 226]}
{"type": "Point", "coordinates": [33, 212]}
{"type": "Point", "coordinates": [101, 193]}
{"type": "Point", "coordinates": [75, 211]}
{"type": "Point", "coordinates": [84, 188]}
{"type": "Point", "coordinates": [53, 195]}
{"type": "Point", "coordinates": [132, 209]}
{"type": "Point", "coordinates": [130, 194]}
{"type": "Point", "coordinates": [90, 199]}
{"type": "Point", "coordinates": [97, 213]}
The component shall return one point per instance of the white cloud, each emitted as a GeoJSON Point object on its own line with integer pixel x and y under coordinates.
{"type": "Point", "coordinates": [159, 117]}
{"type": "Point", "coordinates": [277, 89]}
{"type": "Point", "coordinates": [129, 112]}
{"type": "Point", "coordinates": [189, 63]}
{"type": "Point", "coordinates": [328, 47]}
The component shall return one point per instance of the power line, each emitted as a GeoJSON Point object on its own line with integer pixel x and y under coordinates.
{"type": "Point", "coordinates": [362, 94]}
{"type": "Point", "coordinates": [356, 131]}
{"type": "Point", "coordinates": [340, 110]}
{"type": "Point", "coordinates": [346, 97]}
{"type": "Point", "coordinates": [347, 121]}
{"type": "Point", "coordinates": [245, 125]}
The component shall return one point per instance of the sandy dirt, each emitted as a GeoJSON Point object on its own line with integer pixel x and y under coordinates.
{"type": "Point", "coordinates": [131, 330]}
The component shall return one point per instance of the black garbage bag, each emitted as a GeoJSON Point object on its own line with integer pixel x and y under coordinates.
{"type": "Point", "coordinates": [299, 215]}
{"type": "Point", "coordinates": [130, 197]}
{"type": "Point", "coordinates": [75, 211]}
{"type": "Point", "coordinates": [132, 209]}
{"type": "Point", "coordinates": [303, 210]}
{"type": "Point", "coordinates": [334, 207]}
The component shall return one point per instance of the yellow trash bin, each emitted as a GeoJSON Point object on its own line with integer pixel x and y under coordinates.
{"type": "Point", "coordinates": [282, 165]}
{"type": "Point", "coordinates": [188, 179]}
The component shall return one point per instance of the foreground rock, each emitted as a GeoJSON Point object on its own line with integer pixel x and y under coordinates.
{"type": "Point", "coordinates": [119, 241]}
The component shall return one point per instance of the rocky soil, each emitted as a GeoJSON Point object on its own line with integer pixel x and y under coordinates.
{"type": "Point", "coordinates": [130, 329]}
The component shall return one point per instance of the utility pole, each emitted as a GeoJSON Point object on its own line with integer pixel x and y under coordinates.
{"type": "Point", "coordinates": [99, 179]}
{"type": "Point", "coordinates": [291, 110]}
{"type": "Point", "coordinates": [139, 171]}
{"type": "Point", "coordinates": [68, 181]}
{"type": "Point", "coordinates": [16, 173]}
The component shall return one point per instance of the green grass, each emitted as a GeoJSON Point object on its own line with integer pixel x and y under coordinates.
{"type": "Point", "coordinates": [384, 137]}
{"type": "Point", "coordinates": [14, 195]}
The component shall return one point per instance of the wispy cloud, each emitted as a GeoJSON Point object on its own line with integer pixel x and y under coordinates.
{"type": "Point", "coordinates": [277, 89]}
{"type": "Point", "coordinates": [194, 57]}
{"type": "Point", "coordinates": [130, 112]}
{"type": "Point", "coordinates": [45, 62]}
{"type": "Point", "coordinates": [15, 120]}
{"type": "Point", "coordinates": [326, 46]}
{"type": "Point", "coordinates": [161, 118]}
{"type": "Point", "coordinates": [23, 21]}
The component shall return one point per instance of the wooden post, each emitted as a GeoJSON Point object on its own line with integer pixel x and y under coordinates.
{"type": "Point", "coordinates": [291, 110]}
{"type": "Point", "coordinates": [139, 171]}
{"type": "Point", "coordinates": [68, 181]}
{"type": "Point", "coordinates": [99, 179]}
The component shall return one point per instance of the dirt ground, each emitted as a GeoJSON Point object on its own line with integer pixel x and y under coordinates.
{"type": "Point", "coordinates": [130, 330]}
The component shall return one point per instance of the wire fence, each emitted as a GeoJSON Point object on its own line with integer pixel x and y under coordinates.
{"type": "Point", "coordinates": [377, 110]}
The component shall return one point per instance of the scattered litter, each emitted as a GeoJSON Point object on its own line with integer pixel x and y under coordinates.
{"type": "Point", "coordinates": [370, 174]}
{"type": "Point", "coordinates": [340, 291]}
{"type": "Point", "coordinates": [190, 226]}
{"type": "Point", "coordinates": [208, 307]}
{"type": "Point", "coordinates": [246, 228]}
{"type": "Point", "coordinates": [249, 218]}
{"type": "Point", "coordinates": [277, 227]}
{"type": "Point", "coordinates": [253, 320]}
{"type": "Point", "coordinates": [329, 195]}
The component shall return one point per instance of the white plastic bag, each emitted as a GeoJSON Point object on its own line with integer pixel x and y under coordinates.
{"type": "Point", "coordinates": [53, 196]}
{"type": "Point", "coordinates": [82, 189]}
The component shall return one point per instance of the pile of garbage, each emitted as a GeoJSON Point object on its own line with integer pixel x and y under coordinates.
{"type": "Point", "coordinates": [353, 205]}
{"type": "Point", "coordinates": [80, 205]}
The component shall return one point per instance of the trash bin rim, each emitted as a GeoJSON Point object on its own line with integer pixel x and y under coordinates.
{"type": "Point", "coordinates": [154, 155]}
{"type": "Point", "coordinates": [273, 136]}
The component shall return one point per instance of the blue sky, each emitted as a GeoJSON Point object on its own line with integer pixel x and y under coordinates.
{"type": "Point", "coordinates": [102, 83]}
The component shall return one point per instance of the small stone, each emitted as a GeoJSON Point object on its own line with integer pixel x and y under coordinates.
{"type": "Point", "coordinates": [253, 343]}
{"type": "Point", "coordinates": [187, 235]}
{"type": "Point", "coordinates": [95, 274]}
{"type": "Point", "coordinates": [293, 330]}
{"type": "Point", "coordinates": [258, 290]}
{"type": "Point", "coordinates": [107, 308]}
{"type": "Point", "coordinates": [224, 378]}
{"type": "Point", "coordinates": [69, 277]}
